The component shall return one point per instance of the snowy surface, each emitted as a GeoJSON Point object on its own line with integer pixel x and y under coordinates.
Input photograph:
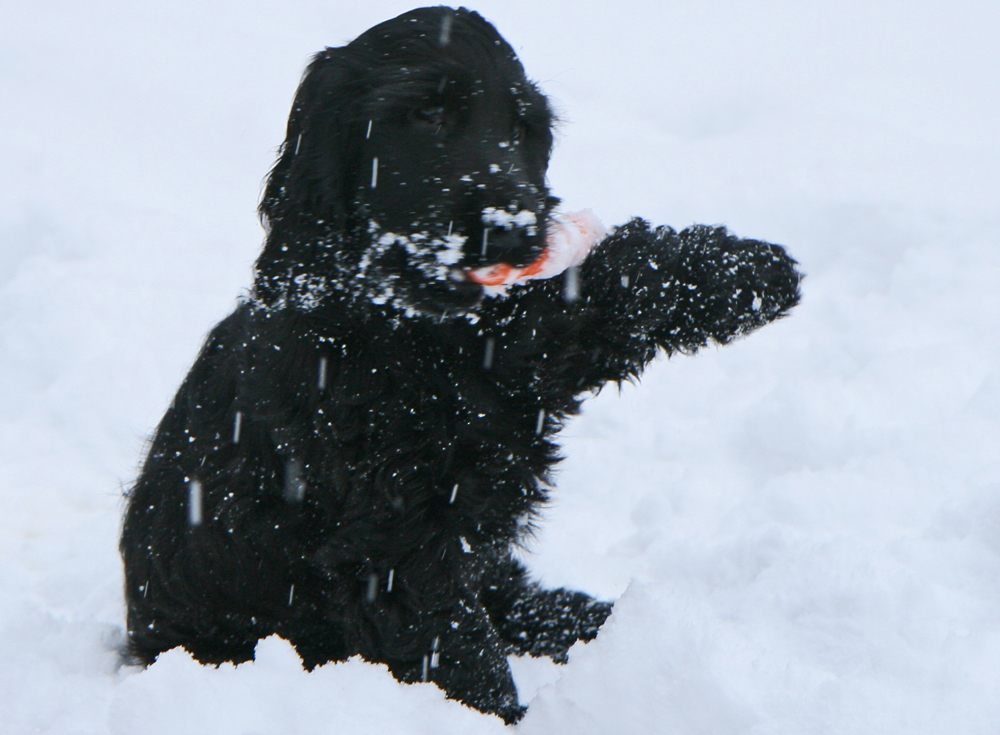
{"type": "Point", "coordinates": [803, 527]}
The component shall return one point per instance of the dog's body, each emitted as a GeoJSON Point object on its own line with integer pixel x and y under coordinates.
{"type": "Point", "coordinates": [358, 446]}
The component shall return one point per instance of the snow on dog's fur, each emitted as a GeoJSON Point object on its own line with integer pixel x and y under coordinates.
{"type": "Point", "coordinates": [358, 445]}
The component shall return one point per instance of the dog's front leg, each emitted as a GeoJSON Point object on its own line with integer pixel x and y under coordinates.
{"type": "Point", "coordinates": [424, 620]}
{"type": "Point", "coordinates": [459, 650]}
{"type": "Point", "coordinates": [536, 621]}
{"type": "Point", "coordinates": [471, 665]}
{"type": "Point", "coordinates": [639, 291]}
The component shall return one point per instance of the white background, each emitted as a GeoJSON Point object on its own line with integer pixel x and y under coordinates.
{"type": "Point", "coordinates": [803, 527]}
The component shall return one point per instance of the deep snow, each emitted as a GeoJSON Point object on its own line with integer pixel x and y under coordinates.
{"type": "Point", "coordinates": [803, 527]}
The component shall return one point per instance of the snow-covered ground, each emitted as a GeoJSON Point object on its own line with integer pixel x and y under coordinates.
{"type": "Point", "coordinates": [802, 529]}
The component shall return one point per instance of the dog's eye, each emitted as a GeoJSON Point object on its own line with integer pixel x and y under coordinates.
{"type": "Point", "coordinates": [430, 116]}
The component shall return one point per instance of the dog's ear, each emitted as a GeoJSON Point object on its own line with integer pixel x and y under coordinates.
{"type": "Point", "coordinates": [312, 177]}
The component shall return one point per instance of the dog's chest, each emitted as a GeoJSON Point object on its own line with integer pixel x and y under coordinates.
{"type": "Point", "coordinates": [402, 422]}
{"type": "Point", "coordinates": [440, 390]}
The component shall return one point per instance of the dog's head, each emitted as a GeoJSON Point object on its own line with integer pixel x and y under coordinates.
{"type": "Point", "coordinates": [413, 154]}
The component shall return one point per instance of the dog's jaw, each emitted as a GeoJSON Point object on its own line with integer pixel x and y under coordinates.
{"type": "Point", "coordinates": [417, 273]}
{"type": "Point", "coordinates": [401, 274]}
{"type": "Point", "coordinates": [424, 270]}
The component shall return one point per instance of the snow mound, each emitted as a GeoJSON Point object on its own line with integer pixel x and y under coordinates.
{"type": "Point", "coordinates": [274, 694]}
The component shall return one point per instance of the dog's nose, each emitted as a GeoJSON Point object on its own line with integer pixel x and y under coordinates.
{"type": "Point", "coordinates": [513, 235]}
{"type": "Point", "coordinates": [516, 246]}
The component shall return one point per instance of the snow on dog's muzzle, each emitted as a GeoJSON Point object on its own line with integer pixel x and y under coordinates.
{"type": "Point", "coordinates": [570, 239]}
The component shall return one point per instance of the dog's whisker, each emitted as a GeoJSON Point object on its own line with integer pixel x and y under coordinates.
{"type": "Point", "coordinates": [450, 223]}
{"type": "Point", "coordinates": [486, 241]}
{"type": "Point", "coordinates": [237, 424]}
{"type": "Point", "coordinates": [392, 576]}
{"type": "Point", "coordinates": [374, 172]}
{"type": "Point", "coordinates": [540, 424]}
{"type": "Point", "coordinates": [368, 133]}
{"type": "Point", "coordinates": [454, 493]}
{"type": "Point", "coordinates": [298, 142]}
{"type": "Point", "coordinates": [291, 595]}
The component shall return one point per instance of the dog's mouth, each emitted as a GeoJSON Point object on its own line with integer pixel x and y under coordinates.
{"type": "Point", "coordinates": [508, 236]}
{"type": "Point", "coordinates": [464, 289]}
{"type": "Point", "coordinates": [569, 240]}
{"type": "Point", "coordinates": [417, 270]}
{"type": "Point", "coordinates": [438, 273]}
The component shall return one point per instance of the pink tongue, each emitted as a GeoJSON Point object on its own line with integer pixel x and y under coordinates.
{"type": "Point", "coordinates": [571, 238]}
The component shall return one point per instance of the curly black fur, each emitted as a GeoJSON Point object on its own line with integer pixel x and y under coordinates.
{"type": "Point", "coordinates": [357, 446]}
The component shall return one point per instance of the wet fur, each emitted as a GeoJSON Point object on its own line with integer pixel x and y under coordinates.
{"type": "Point", "coordinates": [392, 423]}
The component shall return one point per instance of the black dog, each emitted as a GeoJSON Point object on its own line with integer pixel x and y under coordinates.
{"type": "Point", "coordinates": [359, 444]}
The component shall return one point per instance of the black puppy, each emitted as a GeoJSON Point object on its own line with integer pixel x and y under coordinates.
{"type": "Point", "coordinates": [360, 443]}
